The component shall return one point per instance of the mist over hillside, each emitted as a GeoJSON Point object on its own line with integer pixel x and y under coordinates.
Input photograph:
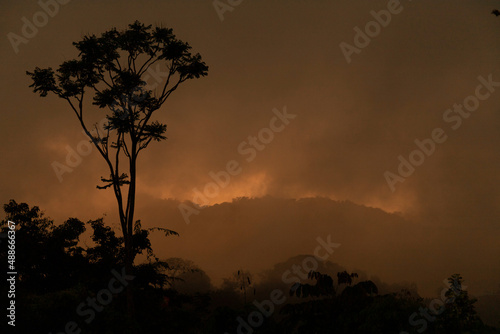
{"type": "Point", "coordinates": [269, 230]}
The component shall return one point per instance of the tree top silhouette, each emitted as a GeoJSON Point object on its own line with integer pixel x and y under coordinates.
{"type": "Point", "coordinates": [113, 67]}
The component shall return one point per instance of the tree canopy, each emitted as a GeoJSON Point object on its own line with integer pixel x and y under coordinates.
{"type": "Point", "coordinates": [112, 68]}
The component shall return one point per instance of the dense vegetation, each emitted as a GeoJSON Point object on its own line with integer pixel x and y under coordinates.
{"type": "Point", "coordinates": [66, 286]}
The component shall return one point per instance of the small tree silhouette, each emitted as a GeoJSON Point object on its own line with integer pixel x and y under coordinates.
{"type": "Point", "coordinates": [459, 312]}
{"type": "Point", "coordinates": [113, 68]}
{"type": "Point", "coordinates": [244, 280]}
{"type": "Point", "coordinates": [324, 308]}
{"type": "Point", "coordinates": [345, 278]}
{"type": "Point", "coordinates": [323, 287]}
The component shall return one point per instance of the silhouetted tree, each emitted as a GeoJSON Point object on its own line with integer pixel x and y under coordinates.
{"type": "Point", "coordinates": [112, 67]}
{"type": "Point", "coordinates": [244, 279]}
{"type": "Point", "coordinates": [345, 278]}
{"type": "Point", "coordinates": [323, 287]}
{"type": "Point", "coordinates": [459, 313]}
{"type": "Point", "coordinates": [49, 258]}
{"type": "Point", "coordinates": [357, 309]}
{"type": "Point", "coordinates": [55, 273]}
{"type": "Point", "coordinates": [186, 277]}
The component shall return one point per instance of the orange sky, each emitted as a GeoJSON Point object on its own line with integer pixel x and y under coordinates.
{"type": "Point", "coordinates": [353, 120]}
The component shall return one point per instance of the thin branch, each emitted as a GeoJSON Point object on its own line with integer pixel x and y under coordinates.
{"type": "Point", "coordinates": [125, 148]}
{"type": "Point", "coordinates": [165, 96]}
{"type": "Point", "coordinates": [144, 145]}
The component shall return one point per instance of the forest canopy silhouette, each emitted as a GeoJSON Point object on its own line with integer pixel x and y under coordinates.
{"type": "Point", "coordinates": [118, 275]}
{"type": "Point", "coordinates": [113, 67]}
{"type": "Point", "coordinates": [64, 281]}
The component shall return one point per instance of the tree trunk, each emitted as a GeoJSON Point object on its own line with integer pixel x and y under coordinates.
{"type": "Point", "coordinates": [129, 264]}
{"type": "Point", "coordinates": [129, 248]}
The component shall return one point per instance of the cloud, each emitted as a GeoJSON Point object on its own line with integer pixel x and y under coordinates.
{"type": "Point", "coordinates": [353, 120]}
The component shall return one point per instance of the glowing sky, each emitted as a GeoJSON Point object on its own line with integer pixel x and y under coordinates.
{"type": "Point", "coordinates": [353, 120]}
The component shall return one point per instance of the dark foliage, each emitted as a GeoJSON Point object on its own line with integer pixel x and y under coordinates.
{"type": "Point", "coordinates": [57, 276]}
